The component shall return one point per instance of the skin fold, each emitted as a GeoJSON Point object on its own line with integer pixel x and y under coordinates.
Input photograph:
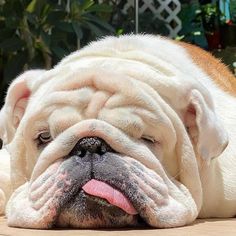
{"type": "Point", "coordinates": [161, 126]}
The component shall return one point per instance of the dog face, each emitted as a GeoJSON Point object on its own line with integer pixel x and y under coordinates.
{"type": "Point", "coordinates": [107, 142]}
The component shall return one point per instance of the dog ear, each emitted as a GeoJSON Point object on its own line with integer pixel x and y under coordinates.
{"type": "Point", "coordinates": [15, 104]}
{"type": "Point", "coordinates": [204, 128]}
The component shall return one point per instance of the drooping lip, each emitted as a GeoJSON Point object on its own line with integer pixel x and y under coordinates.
{"type": "Point", "coordinates": [140, 221]}
{"type": "Point", "coordinates": [133, 205]}
{"type": "Point", "coordinates": [137, 212]}
{"type": "Point", "coordinates": [127, 189]}
{"type": "Point", "coordinates": [75, 190]}
{"type": "Point", "coordinates": [101, 214]}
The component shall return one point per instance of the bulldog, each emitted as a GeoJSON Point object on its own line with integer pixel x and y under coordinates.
{"type": "Point", "coordinates": [128, 131]}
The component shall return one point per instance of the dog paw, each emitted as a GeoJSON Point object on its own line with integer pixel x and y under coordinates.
{"type": "Point", "coordinates": [2, 202]}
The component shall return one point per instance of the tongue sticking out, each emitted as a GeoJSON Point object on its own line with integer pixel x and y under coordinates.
{"type": "Point", "coordinates": [113, 196]}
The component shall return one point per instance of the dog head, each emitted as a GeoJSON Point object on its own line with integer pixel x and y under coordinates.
{"type": "Point", "coordinates": [107, 139]}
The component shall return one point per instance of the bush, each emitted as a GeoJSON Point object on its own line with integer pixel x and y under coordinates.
{"type": "Point", "coordinates": [38, 33]}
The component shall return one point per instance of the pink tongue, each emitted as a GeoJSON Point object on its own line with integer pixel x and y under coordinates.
{"type": "Point", "coordinates": [113, 196]}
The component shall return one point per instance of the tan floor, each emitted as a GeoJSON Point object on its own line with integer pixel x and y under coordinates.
{"type": "Point", "coordinates": [213, 227]}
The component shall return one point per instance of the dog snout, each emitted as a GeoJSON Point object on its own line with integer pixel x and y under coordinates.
{"type": "Point", "coordinates": [90, 145]}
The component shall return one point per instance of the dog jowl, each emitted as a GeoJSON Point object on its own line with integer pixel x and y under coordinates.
{"type": "Point", "coordinates": [122, 133]}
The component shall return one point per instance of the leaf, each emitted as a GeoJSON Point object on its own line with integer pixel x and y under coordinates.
{"type": "Point", "coordinates": [31, 18]}
{"type": "Point", "coordinates": [179, 37]}
{"type": "Point", "coordinates": [95, 30]}
{"type": "Point", "coordinates": [37, 6]}
{"type": "Point", "coordinates": [77, 28]}
{"type": "Point", "coordinates": [100, 8]}
{"type": "Point", "coordinates": [46, 38]}
{"type": "Point", "coordinates": [86, 4]}
{"type": "Point", "coordinates": [101, 23]}
{"type": "Point", "coordinates": [32, 6]}
{"type": "Point", "coordinates": [119, 32]}
{"type": "Point", "coordinates": [59, 52]}
{"type": "Point", "coordinates": [45, 11]}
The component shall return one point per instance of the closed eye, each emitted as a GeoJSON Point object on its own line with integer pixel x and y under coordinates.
{"type": "Point", "coordinates": [148, 139]}
{"type": "Point", "coordinates": [44, 138]}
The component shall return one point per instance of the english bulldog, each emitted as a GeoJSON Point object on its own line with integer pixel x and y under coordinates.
{"type": "Point", "coordinates": [128, 131]}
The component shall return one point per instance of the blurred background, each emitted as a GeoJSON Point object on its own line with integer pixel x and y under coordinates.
{"type": "Point", "coordinates": [39, 33]}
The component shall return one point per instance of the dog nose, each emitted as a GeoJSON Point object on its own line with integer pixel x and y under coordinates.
{"type": "Point", "coordinates": [90, 145]}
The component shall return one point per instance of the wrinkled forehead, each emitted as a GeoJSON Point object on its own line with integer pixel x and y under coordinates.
{"type": "Point", "coordinates": [78, 87]}
{"type": "Point", "coordinates": [116, 98]}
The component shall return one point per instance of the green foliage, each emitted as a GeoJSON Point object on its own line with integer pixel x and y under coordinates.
{"type": "Point", "coordinates": [192, 28]}
{"type": "Point", "coordinates": [233, 11]}
{"type": "Point", "coordinates": [210, 15]}
{"type": "Point", "coordinates": [38, 33]}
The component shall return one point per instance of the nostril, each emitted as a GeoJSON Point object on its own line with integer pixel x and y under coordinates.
{"type": "Point", "coordinates": [104, 148]}
{"type": "Point", "coordinates": [80, 152]}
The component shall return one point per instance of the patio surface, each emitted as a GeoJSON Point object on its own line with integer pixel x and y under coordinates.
{"type": "Point", "coordinates": [214, 227]}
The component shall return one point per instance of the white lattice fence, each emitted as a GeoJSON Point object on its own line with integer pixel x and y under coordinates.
{"type": "Point", "coordinates": [165, 10]}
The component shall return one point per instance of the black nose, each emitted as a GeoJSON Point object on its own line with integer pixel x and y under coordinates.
{"type": "Point", "coordinates": [90, 145]}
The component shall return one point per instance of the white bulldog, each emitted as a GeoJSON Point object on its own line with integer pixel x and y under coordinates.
{"type": "Point", "coordinates": [128, 131]}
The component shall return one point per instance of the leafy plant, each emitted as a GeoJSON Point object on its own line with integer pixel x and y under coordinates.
{"type": "Point", "coordinates": [192, 28]}
{"type": "Point", "coordinates": [210, 15]}
{"type": "Point", "coordinates": [38, 33]}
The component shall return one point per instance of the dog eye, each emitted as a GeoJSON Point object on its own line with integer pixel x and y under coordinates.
{"type": "Point", "coordinates": [148, 139]}
{"type": "Point", "coordinates": [44, 137]}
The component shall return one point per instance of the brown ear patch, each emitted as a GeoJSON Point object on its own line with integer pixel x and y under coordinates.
{"type": "Point", "coordinates": [213, 67]}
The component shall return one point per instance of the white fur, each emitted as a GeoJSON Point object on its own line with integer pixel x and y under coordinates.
{"type": "Point", "coordinates": [143, 71]}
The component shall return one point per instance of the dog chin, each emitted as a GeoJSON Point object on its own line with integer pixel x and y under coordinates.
{"type": "Point", "coordinates": [86, 211]}
{"type": "Point", "coordinates": [61, 188]}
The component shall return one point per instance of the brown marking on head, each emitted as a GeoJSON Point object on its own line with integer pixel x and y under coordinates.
{"type": "Point", "coordinates": [212, 66]}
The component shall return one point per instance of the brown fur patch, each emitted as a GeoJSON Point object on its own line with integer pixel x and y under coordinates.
{"type": "Point", "coordinates": [218, 72]}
